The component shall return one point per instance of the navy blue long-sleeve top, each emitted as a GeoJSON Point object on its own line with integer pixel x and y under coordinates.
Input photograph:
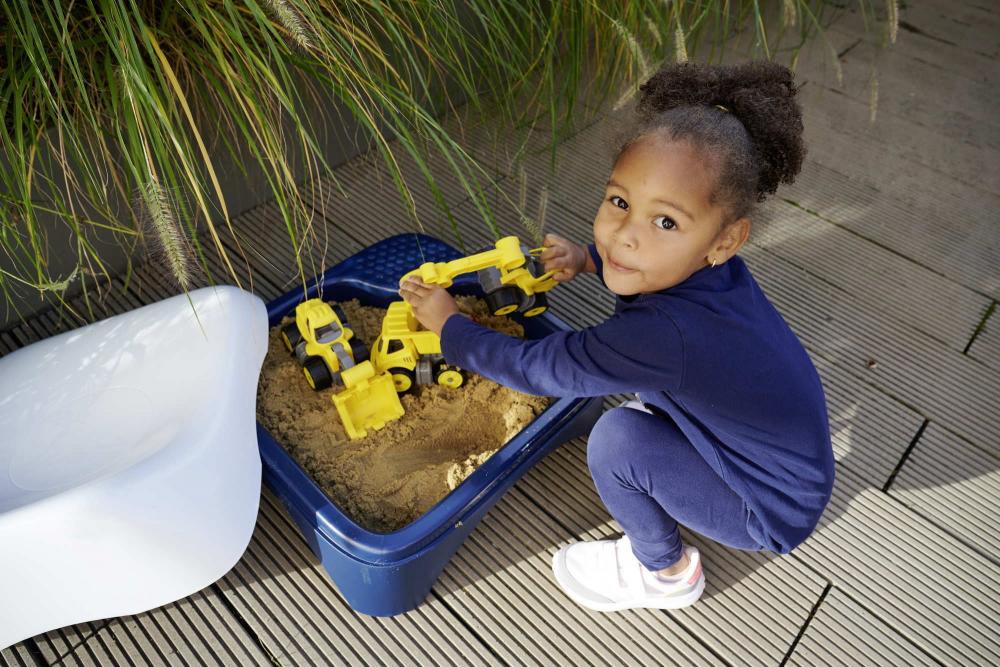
{"type": "Point", "coordinates": [714, 355]}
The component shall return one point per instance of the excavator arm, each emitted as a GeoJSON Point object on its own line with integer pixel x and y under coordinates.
{"type": "Point", "coordinates": [507, 256]}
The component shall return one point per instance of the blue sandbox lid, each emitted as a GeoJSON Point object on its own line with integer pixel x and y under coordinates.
{"type": "Point", "coordinates": [365, 564]}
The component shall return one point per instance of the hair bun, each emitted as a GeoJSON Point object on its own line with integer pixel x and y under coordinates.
{"type": "Point", "coordinates": [760, 94]}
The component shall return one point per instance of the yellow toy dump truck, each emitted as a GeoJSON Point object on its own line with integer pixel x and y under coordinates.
{"type": "Point", "coordinates": [410, 354]}
{"type": "Point", "coordinates": [511, 276]}
{"type": "Point", "coordinates": [322, 342]}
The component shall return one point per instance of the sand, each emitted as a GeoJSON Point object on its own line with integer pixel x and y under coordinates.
{"type": "Point", "coordinates": [392, 476]}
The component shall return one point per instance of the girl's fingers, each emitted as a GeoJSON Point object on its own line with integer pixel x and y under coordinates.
{"type": "Point", "coordinates": [552, 252]}
{"type": "Point", "coordinates": [562, 276]}
{"type": "Point", "coordinates": [553, 240]}
{"type": "Point", "coordinates": [410, 290]}
{"type": "Point", "coordinates": [415, 285]}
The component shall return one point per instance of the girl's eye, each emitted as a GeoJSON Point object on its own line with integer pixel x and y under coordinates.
{"type": "Point", "coordinates": [618, 201]}
{"type": "Point", "coordinates": [665, 222]}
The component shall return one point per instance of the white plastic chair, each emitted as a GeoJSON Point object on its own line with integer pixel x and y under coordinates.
{"type": "Point", "coordinates": [129, 469]}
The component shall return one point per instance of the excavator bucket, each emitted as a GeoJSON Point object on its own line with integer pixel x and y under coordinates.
{"type": "Point", "coordinates": [369, 401]}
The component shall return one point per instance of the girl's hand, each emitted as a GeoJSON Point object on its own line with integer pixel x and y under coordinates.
{"type": "Point", "coordinates": [564, 257]}
{"type": "Point", "coordinates": [431, 303]}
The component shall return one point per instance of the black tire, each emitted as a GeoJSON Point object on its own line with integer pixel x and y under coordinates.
{"type": "Point", "coordinates": [536, 304]}
{"type": "Point", "coordinates": [339, 312]}
{"type": "Point", "coordinates": [400, 377]}
{"type": "Point", "coordinates": [291, 336]}
{"type": "Point", "coordinates": [359, 351]}
{"type": "Point", "coordinates": [503, 301]}
{"type": "Point", "coordinates": [317, 373]}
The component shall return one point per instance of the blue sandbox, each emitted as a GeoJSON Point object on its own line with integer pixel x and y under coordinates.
{"type": "Point", "coordinates": [386, 574]}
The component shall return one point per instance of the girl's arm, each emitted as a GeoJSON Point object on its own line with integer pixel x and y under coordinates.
{"type": "Point", "coordinates": [639, 349]}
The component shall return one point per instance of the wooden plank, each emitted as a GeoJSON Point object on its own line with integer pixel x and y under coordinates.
{"type": "Point", "coordinates": [265, 226]}
{"type": "Point", "coordinates": [986, 346]}
{"type": "Point", "coordinates": [875, 277]}
{"type": "Point", "coordinates": [967, 27]}
{"type": "Point", "coordinates": [890, 560]}
{"type": "Point", "coordinates": [927, 45]}
{"type": "Point", "coordinates": [7, 344]}
{"type": "Point", "coordinates": [285, 596]}
{"type": "Point", "coordinates": [956, 485]}
{"type": "Point", "coordinates": [18, 656]}
{"type": "Point", "coordinates": [890, 145]}
{"type": "Point", "coordinates": [844, 633]}
{"type": "Point", "coordinates": [953, 107]}
{"type": "Point", "coordinates": [955, 240]}
{"type": "Point", "coordinates": [947, 226]}
{"type": "Point", "coordinates": [196, 630]}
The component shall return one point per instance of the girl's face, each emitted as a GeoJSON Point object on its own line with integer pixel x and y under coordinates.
{"type": "Point", "coordinates": [657, 224]}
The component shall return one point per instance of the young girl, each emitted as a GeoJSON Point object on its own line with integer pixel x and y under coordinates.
{"type": "Point", "coordinates": [728, 435]}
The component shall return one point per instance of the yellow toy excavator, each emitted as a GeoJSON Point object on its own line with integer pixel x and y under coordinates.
{"type": "Point", "coordinates": [512, 276]}
{"type": "Point", "coordinates": [405, 354]}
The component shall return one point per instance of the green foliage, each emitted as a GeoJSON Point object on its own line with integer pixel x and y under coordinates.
{"type": "Point", "coordinates": [107, 101]}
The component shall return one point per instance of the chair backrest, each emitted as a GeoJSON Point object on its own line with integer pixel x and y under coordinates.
{"type": "Point", "coordinates": [90, 402]}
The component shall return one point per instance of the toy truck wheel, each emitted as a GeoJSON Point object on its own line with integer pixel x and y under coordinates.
{"type": "Point", "coordinates": [359, 351]}
{"type": "Point", "coordinates": [339, 312]}
{"type": "Point", "coordinates": [449, 376]}
{"type": "Point", "coordinates": [504, 300]}
{"type": "Point", "coordinates": [317, 373]}
{"type": "Point", "coordinates": [290, 336]}
{"type": "Point", "coordinates": [536, 304]}
{"type": "Point", "coordinates": [403, 379]}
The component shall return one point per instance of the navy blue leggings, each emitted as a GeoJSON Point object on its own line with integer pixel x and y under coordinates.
{"type": "Point", "coordinates": [650, 478]}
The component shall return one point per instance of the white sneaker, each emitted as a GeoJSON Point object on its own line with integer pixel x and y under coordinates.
{"type": "Point", "coordinates": [606, 576]}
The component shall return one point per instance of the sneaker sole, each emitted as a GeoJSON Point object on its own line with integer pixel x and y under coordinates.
{"type": "Point", "coordinates": [576, 592]}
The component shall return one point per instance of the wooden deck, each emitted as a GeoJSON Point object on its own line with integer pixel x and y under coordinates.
{"type": "Point", "coordinates": [884, 257]}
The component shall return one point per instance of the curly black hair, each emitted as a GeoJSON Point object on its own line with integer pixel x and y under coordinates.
{"type": "Point", "coordinates": [745, 114]}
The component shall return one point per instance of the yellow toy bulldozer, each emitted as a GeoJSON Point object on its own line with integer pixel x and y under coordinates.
{"type": "Point", "coordinates": [322, 342]}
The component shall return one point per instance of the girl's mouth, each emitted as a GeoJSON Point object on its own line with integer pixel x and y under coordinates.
{"type": "Point", "coordinates": [618, 267]}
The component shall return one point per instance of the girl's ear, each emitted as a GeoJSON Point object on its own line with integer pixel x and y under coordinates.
{"type": "Point", "coordinates": [730, 240]}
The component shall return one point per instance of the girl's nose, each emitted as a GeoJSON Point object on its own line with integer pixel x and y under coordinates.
{"type": "Point", "coordinates": [625, 234]}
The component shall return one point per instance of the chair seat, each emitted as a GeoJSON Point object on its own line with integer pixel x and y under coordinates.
{"type": "Point", "coordinates": [129, 468]}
